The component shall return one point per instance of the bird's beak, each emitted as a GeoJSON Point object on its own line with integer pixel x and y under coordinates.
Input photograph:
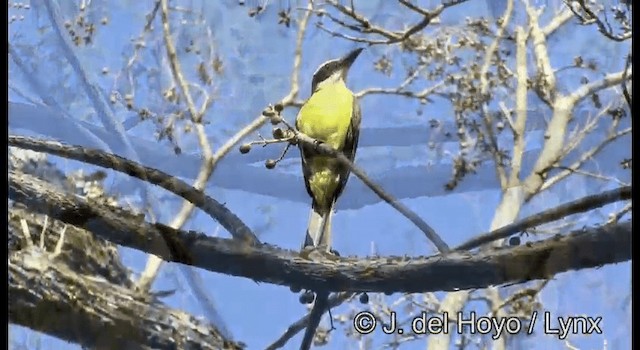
{"type": "Point", "coordinates": [348, 60]}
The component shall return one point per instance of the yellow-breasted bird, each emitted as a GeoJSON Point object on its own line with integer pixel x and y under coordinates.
{"type": "Point", "coordinates": [332, 116]}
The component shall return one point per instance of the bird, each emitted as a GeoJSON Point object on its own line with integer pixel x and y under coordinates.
{"type": "Point", "coordinates": [332, 116]}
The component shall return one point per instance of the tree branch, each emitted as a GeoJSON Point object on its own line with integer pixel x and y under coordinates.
{"type": "Point", "coordinates": [574, 207]}
{"type": "Point", "coordinates": [518, 127]}
{"type": "Point", "coordinates": [47, 296]}
{"type": "Point", "coordinates": [319, 307]}
{"type": "Point", "coordinates": [152, 268]}
{"type": "Point", "coordinates": [606, 30]}
{"type": "Point", "coordinates": [595, 86]}
{"type": "Point", "coordinates": [365, 26]}
{"type": "Point", "coordinates": [484, 91]}
{"type": "Point", "coordinates": [294, 328]}
{"type": "Point", "coordinates": [216, 210]}
{"type": "Point", "coordinates": [538, 260]}
{"type": "Point", "coordinates": [547, 80]}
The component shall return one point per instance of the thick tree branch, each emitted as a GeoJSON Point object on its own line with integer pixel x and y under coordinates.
{"type": "Point", "coordinates": [577, 250]}
{"type": "Point", "coordinates": [47, 296]}
{"type": "Point", "coordinates": [83, 252]}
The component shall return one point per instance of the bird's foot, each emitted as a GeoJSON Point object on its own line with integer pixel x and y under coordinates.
{"type": "Point", "coordinates": [316, 144]}
{"type": "Point", "coordinates": [320, 252]}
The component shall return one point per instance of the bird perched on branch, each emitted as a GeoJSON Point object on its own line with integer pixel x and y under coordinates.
{"type": "Point", "coordinates": [332, 116]}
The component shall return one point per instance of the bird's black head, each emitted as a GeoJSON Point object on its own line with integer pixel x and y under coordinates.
{"type": "Point", "coordinates": [334, 69]}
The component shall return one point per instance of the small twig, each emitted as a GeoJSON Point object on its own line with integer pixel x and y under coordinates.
{"type": "Point", "coordinates": [523, 293]}
{"type": "Point", "coordinates": [44, 230]}
{"type": "Point", "coordinates": [421, 95]}
{"type": "Point", "coordinates": [484, 92]}
{"type": "Point", "coordinates": [350, 37]}
{"type": "Point", "coordinates": [289, 100]}
{"type": "Point", "coordinates": [284, 153]}
{"type": "Point", "coordinates": [604, 28]}
{"type": "Point", "coordinates": [60, 242]}
{"type": "Point", "coordinates": [391, 37]}
{"type": "Point", "coordinates": [615, 217]}
{"type": "Point", "coordinates": [264, 142]}
{"type": "Point", "coordinates": [561, 211]}
{"type": "Point", "coordinates": [571, 170]}
{"type": "Point", "coordinates": [26, 232]}
{"type": "Point", "coordinates": [583, 158]}
{"type": "Point", "coordinates": [334, 301]}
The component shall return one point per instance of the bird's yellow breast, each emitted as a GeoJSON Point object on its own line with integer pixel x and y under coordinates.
{"type": "Point", "coordinates": [327, 114]}
{"type": "Point", "coordinates": [326, 117]}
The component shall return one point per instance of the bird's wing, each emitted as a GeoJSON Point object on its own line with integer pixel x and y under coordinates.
{"type": "Point", "coordinates": [350, 145]}
{"type": "Point", "coordinates": [306, 171]}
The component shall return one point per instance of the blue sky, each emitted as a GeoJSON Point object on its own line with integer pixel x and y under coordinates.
{"type": "Point", "coordinates": [257, 56]}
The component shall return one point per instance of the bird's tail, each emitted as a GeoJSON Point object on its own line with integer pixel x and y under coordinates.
{"type": "Point", "coordinates": [319, 228]}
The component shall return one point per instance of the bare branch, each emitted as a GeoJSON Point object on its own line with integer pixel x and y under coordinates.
{"type": "Point", "coordinates": [557, 22]}
{"type": "Point", "coordinates": [583, 158]}
{"type": "Point", "coordinates": [107, 118]}
{"type": "Point", "coordinates": [553, 145]}
{"type": "Point", "coordinates": [615, 217]}
{"type": "Point", "coordinates": [216, 210]}
{"type": "Point", "coordinates": [625, 88]}
{"type": "Point", "coordinates": [289, 100]}
{"type": "Point", "coordinates": [484, 91]}
{"type": "Point", "coordinates": [319, 307]}
{"type": "Point", "coordinates": [90, 310]}
{"type": "Point", "coordinates": [604, 28]}
{"type": "Point", "coordinates": [365, 26]}
{"type": "Point", "coordinates": [573, 207]}
{"type": "Point", "coordinates": [206, 170]}
{"type": "Point", "coordinates": [581, 249]}
{"type": "Point", "coordinates": [400, 90]}
{"type": "Point", "coordinates": [608, 81]}
{"type": "Point", "coordinates": [519, 125]}
{"type": "Point", "coordinates": [175, 63]}
{"type": "Point", "coordinates": [547, 80]}
{"type": "Point", "coordinates": [334, 301]}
